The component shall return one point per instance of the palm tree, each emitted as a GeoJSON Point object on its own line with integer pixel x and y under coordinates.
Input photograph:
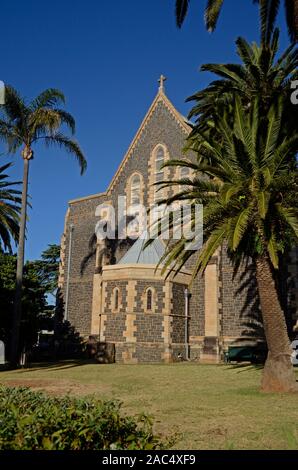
{"type": "Point", "coordinates": [9, 210]}
{"type": "Point", "coordinates": [248, 185]}
{"type": "Point", "coordinates": [22, 125]}
{"type": "Point", "coordinates": [268, 12]}
{"type": "Point", "coordinates": [259, 74]}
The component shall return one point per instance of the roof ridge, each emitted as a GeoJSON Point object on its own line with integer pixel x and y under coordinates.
{"type": "Point", "coordinates": [160, 97]}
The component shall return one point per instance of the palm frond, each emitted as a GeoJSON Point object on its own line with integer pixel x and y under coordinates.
{"type": "Point", "coordinates": [71, 146]}
{"type": "Point", "coordinates": [212, 13]}
{"type": "Point", "coordinates": [10, 204]}
{"type": "Point", "coordinates": [273, 251]}
{"type": "Point", "coordinates": [15, 106]}
{"type": "Point", "coordinates": [47, 99]}
{"type": "Point", "coordinates": [291, 8]}
{"type": "Point", "coordinates": [181, 11]}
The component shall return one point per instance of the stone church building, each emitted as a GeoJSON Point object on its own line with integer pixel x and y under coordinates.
{"type": "Point", "coordinates": [114, 292]}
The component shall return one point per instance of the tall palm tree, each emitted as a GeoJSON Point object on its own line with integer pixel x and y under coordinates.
{"type": "Point", "coordinates": [261, 73]}
{"type": "Point", "coordinates": [22, 125]}
{"type": "Point", "coordinates": [248, 185]}
{"type": "Point", "coordinates": [9, 210]}
{"type": "Point", "coordinates": [268, 12]}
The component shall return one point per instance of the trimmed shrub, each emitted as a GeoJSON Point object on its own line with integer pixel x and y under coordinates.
{"type": "Point", "coordinates": [33, 421]}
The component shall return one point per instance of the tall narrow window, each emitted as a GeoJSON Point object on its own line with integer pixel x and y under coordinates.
{"type": "Point", "coordinates": [159, 171]}
{"type": "Point", "coordinates": [149, 300]}
{"type": "Point", "coordinates": [135, 190]}
{"type": "Point", "coordinates": [116, 299]}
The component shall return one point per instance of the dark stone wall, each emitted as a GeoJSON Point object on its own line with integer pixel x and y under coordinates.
{"type": "Point", "coordinates": [292, 288]}
{"type": "Point", "coordinates": [178, 320]}
{"type": "Point", "coordinates": [240, 313]}
{"type": "Point", "coordinates": [149, 352]}
{"type": "Point", "coordinates": [197, 307]}
{"type": "Point", "coordinates": [149, 328]}
{"type": "Point", "coordinates": [178, 330]}
{"type": "Point", "coordinates": [80, 294]}
{"type": "Point", "coordinates": [286, 282]}
{"type": "Point", "coordinates": [115, 327]}
{"type": "Point", "coordinates": [122, 286]}
{"type": "Point", "coordinates": [178, 299]}
{"type": "Point", "coordinates": [159, 295]}
{"type": "Point", "coordinates": [82, 216]}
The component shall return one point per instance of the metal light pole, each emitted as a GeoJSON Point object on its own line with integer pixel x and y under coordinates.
{"type": "Point", "coordinates": [71, 228]}
{"type": "Point", "coordinates": [186, 297]}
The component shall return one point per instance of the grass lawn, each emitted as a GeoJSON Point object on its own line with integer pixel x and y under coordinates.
{"type": "Point", "coordinates": [210, 407]}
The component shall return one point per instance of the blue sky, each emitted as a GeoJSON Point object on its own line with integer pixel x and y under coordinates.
{"type": "Point", "coordinates": [106, 57]}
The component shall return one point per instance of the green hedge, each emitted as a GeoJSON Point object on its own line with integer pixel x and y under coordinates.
{"type": "Point", "coordinates": [31, 421]}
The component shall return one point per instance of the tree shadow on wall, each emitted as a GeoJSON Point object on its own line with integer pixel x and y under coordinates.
{"type": "Point", "coordinates": [64, 344]}
{"type": "Point", "coordinates": [68, 344]}
{"type": "Point", "coordinates": [250, 314]}
{"type": "Point", "coordinates": [110, 250]}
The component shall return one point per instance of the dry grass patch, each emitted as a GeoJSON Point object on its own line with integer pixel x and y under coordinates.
{"type": "Point", "coordinates": [209, 407]}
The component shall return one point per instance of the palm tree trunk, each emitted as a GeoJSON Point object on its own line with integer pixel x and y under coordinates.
{"type": "Point", "coordinates": [17, 314]}
{"type": "Point", "coordinates": [278, 373]}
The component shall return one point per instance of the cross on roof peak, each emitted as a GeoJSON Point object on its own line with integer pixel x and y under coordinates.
{"type": "Point", "coordinates": [161, 81]}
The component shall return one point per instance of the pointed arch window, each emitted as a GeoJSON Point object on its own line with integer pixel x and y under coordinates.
{"type": "Point", "coordinates": [159, 171]}
{"type": "Point", "coordinates": [135, 189]}
{"type": "Point", "coordinates": [116, 300]}
{"type": "Point", "coordinates": [149, 298]}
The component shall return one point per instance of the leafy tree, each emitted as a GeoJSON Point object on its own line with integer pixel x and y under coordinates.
{"type": "Point", "coordinates": [268, 13]}
{"type": "Point", "coordinates": [7, 285]}
{"type": "Point", "coordinates": [47, 268]}
{"type": "Point", "coordinates": [40, 279]}
{"type": "Point", "coordinates": [248, 185]}
{"type": "Point", "coordinates": [33, 301]}
{"type": "Point", "coordinates": [9, 210]}
{"type": "Point", "coordinates": [22, 125]}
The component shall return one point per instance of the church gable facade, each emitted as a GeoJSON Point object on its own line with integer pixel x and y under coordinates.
{"type": "Point", "coordinates": [113, 292]}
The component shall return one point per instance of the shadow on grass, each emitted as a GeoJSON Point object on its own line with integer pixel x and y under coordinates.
{"type": "Point", "coordinates": [58, 365]}
{"type": "Point", "coordinates": [244, 366]}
